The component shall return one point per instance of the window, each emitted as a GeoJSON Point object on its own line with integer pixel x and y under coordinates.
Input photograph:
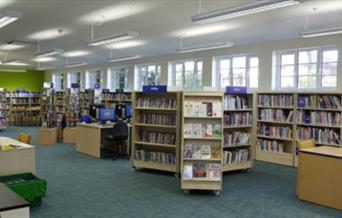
{"type": "Point", "coordinates": [314, 68]}
{"type": "Point", "coordinates": [147, 74]}
{"type": "Point", "coordinates": [186, 74]}
{"type": "Point", "coordinates": [236, 71]}
{"type": "Point", "coordinates": [58, 81]}
{"type": "Point", "coordinates": [74, 77]}
{"type": "Point", "coordinates": [117, 78]}
{"type": "Point", "coordinates": [93, 77]}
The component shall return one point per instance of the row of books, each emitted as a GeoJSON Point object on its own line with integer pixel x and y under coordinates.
{"type": "Point", "coordinates": [198, 130]}
{"type": "Point", "coordinates": [237, 119]}
{"type": "Point", "coordinates": [234, 102]}
{"type": "Point", "coordinates": [236, 138]}
{"type": "Point", "coordinates": [202, 109]}
{"type": "Point", "coordinates": [117, 96]}
{"type": "Point", "coordinates": [306, 101]}
{"type": "Point", "coordinates": [274, 131]}
{"type": "Point", "coordinates": [22, 94]}
{"type": "Point", "coordinates": [158, 137]}
{"type": "Point", "coordinates": [160, 119]}
{"type": "Point", "coordinates": [275, 115]}
{"type": "Point", "coordinates": [155, 156]}
{"type": "Point", "coordinates": [271, 146]}
{"type": "Point", "coordinates": [328, 101]}
{"type": "Point", "coordinates": [319, 117]}
{"type": "Point", "coordinates": [195, 151]}
{"type": "Point", "coordinates": [320, 135]}
{"type": "Point", "coordinates": [20, 101]}
{"type": "Point", "coordinates": [275, 100]}
{"type": "Point", "coordinates": [154, 102]}
{"type": "Point", "coordinates": [202, 171]}
{"type": "Point", "coordinates": [236, 156]}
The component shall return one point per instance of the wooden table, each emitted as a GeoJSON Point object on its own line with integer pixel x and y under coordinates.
{"type": "Point", "coordinates": [20, 160]}
{"type": "Point", "coordinates": [319, 176]}
{"type": "Point", "coordinates": [90, 137]}
{"type": "Point", "coordinates": [12, 205]}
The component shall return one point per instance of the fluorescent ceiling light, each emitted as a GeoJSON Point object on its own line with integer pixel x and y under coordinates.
{"type": "Point", "coordinates": [8, 17]}
{"type": "Point", "coordinates": [116, 38]}
{"type": "Point", "coordinates": [56, 51]}
{"type": "Point", "coordinates": [205, 47]}
{"type": "Point", "coordinates": [242, 10]}
{"type": "Point", "coordinates": [202, 30]}
{"type": "Point", "coordinates": [76, 64]}
{"type": "Point", "coordinates": [12, 70]}
{"type": "Point", "coordinates": [44, 59]}
{"type": "Point", "coordinates": [48, 34]}
{"type": "Point", "coordinates": [321, 32]}
{"type": "Point", "coordinates": [128, 44]}
{"type": "Point", "coordinates": [4, 3]}
{"type": "Point", "coordinates": [14, 62]}
{"type": "Point", "coordinates": [127, 58]}
{"type": "Point", "coordinates": [8, 47]}
{"type": "Point", "coordinates": [76, 53]}
{"type": "Point", "coordinates": [44, 68]}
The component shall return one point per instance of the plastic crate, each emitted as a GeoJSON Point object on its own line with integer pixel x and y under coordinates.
{"type": "Point", "coordinates": [27, 186]}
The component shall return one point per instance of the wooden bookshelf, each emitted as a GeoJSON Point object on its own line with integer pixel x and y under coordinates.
{"type": "Point", "coordinates": [47, 108]}
{"type": "Point", "coordinates": [275, 128]}
{"type": "Point", "coordinates": [86, 98]}
{"type": "Point", "coordinates": [60, 105]}
{"type": "Point", "coordinates": [73, 107]}
{"type": "Point", "coordinates": [155, 129]}
{"type": "Point", "coordinates": [3, 109]}
{"type": "Point", "coordinates": [201, 144]}
{"type": "Point", "coordinates": [238, 132]}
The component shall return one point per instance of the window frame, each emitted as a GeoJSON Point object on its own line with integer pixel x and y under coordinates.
{"type": "Point", "coordinates": [117, 81]}
{"type": "Point", "coordinates": [68, 80]}
{"type": "Point", "coordinates": [319, 69]}
{"type": "Point", "coordinates": [62, 83]}
{"type": "Point", "coordinates": [91, 71]}
{"type": "Point", "coordinates": [138, 78]}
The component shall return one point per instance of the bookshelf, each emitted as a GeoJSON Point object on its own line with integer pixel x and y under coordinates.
{"type": "Point", "coordinates": [73, 107]}
{"type": "Point", "coordinates": [47, 108]}
{"type": "Point", "coordinates": [86, 99]}
{"type": "Point", "coordinates": [275, 128]}
{"type": "Point", "coordinates": [201, 144]}
{"type": "Point", "coordinates": [3, 109]}
{"type": "Point", "coordinates": [60, 104]}
{"type": "Point", "coordinates": [155, 131]}
{"type": "Point", "coordinates": [111, 99]}
{"type": "Point", "coordinates": [238, 135]}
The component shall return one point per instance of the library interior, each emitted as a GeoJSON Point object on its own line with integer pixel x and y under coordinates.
{"type": "Point", "coordinates": [121, 108]}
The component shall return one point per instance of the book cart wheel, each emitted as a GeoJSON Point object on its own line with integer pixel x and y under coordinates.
{"type": "Point", "coordinates": [186, 191]}
{"type": "Point", "coordinates": [217, 192]}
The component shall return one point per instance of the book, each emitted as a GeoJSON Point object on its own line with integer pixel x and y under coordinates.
{"type": "Point", "coordinates": [195, 109]}
{"type": "Point", "coordinates": [217, 131]}
{"type": "Point", "coordinates": [214, 171]}
{"type": "Point", "coordinates": [197, 152]}
{"type": "Point", "coordinates": [187, 130]}
{"type": "Point", "coordinates": [187, 174]}
{"type": "Point", "coordinates": [197, 130]}
{"type": "Point", "coordinates": [217, 109]}
{"type": "Point", "coordinates": [199, 170]}
{"type": "Point", "coordinates": [202, 110]}
{"type": "Point", "coordinates": [188, 108]}
{"type": "Point", "coordinates": [215, 151]}
{"type": "Point", "coordinates": [207, 130]}
{"type": "Point", "coordinates": [187, 153]}
{"type": "Point", "coordinates": [205, 152]}
{"type": "Point", "coordinates": [209, 108]}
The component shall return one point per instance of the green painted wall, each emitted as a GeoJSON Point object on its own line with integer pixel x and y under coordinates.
{"type": "Point", "coordinates": [30, 80]}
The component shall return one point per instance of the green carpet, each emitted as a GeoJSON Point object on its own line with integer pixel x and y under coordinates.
{"type": "Point", "coordinates": [85, 187]}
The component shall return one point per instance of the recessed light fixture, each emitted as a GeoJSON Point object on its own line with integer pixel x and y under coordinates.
{"type": "Point", "coordinates": [242, 10]}
{"type": "Point", "coordinates": [205, 47]}
{"type": "Point", "coordinates": [12, 70]}
{"type": "Point", "coordinates": [9, 47]}
{"type": "Point", "coordinates": [127, 58]}
{"type": "Point", "coordinates": [48, 34]}
{"type": "Point", "coordinates": [8, 17]}
{"type": "Point", "coordinates": [44, 68]}
{"type": "Point", "coordinates": [55, 51]}
{"type": "Point", "coordinates": [76, 53]}
{"type": "Point", "coordinates": [44, 59]}
{"type": "Point", "coordinates": [78, 64]}
{"type": "Point", "coordinates": [321, 32]}
{"type": "Point", "coordinates": [127, 44]}
{"type": "Point", "coordinates": [202, 30]}
{"type": "Point", "coordinates": [111, 39]}
{"type": "Point", "coordinates": [14, 62]}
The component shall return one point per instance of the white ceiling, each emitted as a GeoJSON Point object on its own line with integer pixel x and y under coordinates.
{"type": "Point", "coordinates": [158, 21]}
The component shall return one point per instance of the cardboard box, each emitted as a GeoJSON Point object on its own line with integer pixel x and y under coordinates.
{"type": "Point", "coordinates": [69, 135]}
{"type": "Point", "coordinates": [48, 136]}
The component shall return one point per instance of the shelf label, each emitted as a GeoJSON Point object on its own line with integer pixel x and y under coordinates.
{"type": "Point", "coordinates": [155, 89]}
{"type": "Point", "coordinates": [97, 86]}
{"type": "Point", "coordinates": [105, 90]}
{"type": "Point", "coordinates": [236, 90]}
{"type": "Point", "coordinates": [119, 90]}
{"type": "Point", "coordinates": [74, 85]}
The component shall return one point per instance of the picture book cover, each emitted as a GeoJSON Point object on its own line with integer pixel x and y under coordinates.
{"type": "Point", "coordinates": [197, 130]}
{"type": "Point", "coordinates": [209, 108]}
{"type": "Point", "coordinates": [188, 108]}
{"type": "Point", "coordinates": [214, 171]}
{"type": "Point", "coordinates": [199, 170]}
{"type": "Point", "coordinates": [206, 152]}
{"type": "Point", "coordinates": [202, 110]}
{"type": "Point", "coordinates": [215, 151]}
{"type": "Point", "coordinates": [217, 109]}
{"type": "Point", "coordinates": [195, 109]}
{"type": "Point", "coordinates": [217, 131]}
{"type": "Point", "coordinates": [207, 130]}
{"type": "Point", "coordinates": [187, 151]}
{"type": "Point", "coordinates": [187, 173]}
{"type": "Point", "coordinates": [187, 130]}
{"type": "Point", "coordinates": [196, 151]}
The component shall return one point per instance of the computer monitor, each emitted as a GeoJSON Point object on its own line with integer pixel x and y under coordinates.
{"type": "Point", "coordinates": [107, 115]}
{"type": "Point", "coordinates": [128, 111]}
{"type": "Point", "coordinates": [94, 110]}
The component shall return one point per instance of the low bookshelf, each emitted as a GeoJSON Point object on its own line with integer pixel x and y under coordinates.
{"type": "Point", "coordinates": [155, 131]}
{"type": "Point", "coordinates": [238, 131]}
{"type": "Point", "coordinates": [201, 144]}
{"type": "Point", "coordinates": [275, 128]}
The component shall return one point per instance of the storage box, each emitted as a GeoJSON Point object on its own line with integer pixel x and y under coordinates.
{"type": "Point", "coordinates": [48, 136]}
{"type": "Point", "coordinates": [26, 185]}
{"type": "Point", "coordinates": [69, 135]}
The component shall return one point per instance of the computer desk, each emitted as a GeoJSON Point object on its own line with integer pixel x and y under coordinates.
{"type": "Point", "coordinates": [90, 137]}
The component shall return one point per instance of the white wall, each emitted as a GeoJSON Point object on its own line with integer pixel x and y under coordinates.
{"type": "Point", "coordinates": [264, 51]}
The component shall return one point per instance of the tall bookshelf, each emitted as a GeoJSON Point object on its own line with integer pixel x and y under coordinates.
{"type": "Point", "coordinates": [60, 104]}
{"type": "Point", "coordinates": [73, 106]}
{"type": "Point", "coordinates": [201, 144]}
{"type": "Point", "coordinates": [3, 109]}
{"type": "Point", "coordinates": [47, 108]}
{"type": "Point", "coordinates": [86, 99]}
{"type": "Point", "coordinates": [34, 98]}
{"type": "Point", "coordinates": [275, 128]}
{"type": "Point", "coordinates": [111, 99]}
{"type": "Point", "coordinates": [238, 131]}
{"type": "Point", "coordinates": [155, 131]}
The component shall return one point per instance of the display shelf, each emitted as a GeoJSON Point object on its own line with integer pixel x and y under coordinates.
{"type": "Point", "coordinates": [155, 131]}
{"type": "Point", "coordinates": [201, 144]}
{"type": "Point", "coordinates": [73, 106]}
{"type": "Point", "coordinates": [47, 108]}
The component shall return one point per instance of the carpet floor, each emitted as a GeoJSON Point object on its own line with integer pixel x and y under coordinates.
{"type": "Point", "coordinates": [80, 186]}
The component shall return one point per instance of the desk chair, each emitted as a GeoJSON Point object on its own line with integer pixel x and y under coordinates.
{"type": "Point", "coordinates": [24, 137]}
{"type": "Point", "coordinates": [118, 137]}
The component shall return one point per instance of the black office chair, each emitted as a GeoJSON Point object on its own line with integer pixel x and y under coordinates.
{"type": "Point", "coordinates": [118, 137]}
